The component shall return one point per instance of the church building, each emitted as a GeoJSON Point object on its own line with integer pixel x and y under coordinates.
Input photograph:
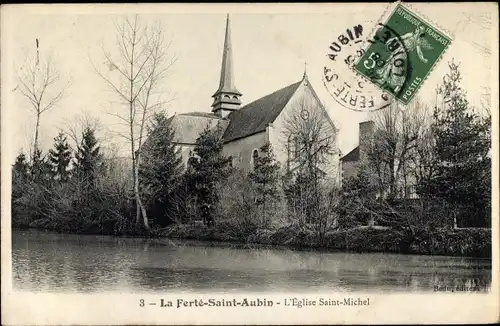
{"type": "Point", "coordinates": [248, 127]}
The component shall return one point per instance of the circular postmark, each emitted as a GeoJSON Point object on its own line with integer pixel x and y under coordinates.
{"type": "Point", "coordinates": [381, 72]}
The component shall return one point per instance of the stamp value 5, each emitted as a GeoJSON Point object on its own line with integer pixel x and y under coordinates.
{"type": "Point", "coordinates": [401, 54]}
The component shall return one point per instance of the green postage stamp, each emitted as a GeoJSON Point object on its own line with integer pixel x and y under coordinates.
{"type": "Point", "coordinates": [401, 53]}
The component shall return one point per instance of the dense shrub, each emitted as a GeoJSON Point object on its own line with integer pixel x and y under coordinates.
{"type": "Point", "coordinates": [458, 242]}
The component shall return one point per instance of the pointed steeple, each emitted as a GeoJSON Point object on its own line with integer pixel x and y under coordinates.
{"type": "Point", "coordinates": [226, 83]}
{"type": "Point", "coordinates": [227, 97]}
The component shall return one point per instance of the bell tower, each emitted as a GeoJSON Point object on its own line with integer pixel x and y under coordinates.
{"type": "Point", "coordinates": [227, 97]}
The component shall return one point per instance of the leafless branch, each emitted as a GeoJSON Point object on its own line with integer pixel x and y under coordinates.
{"type": "Point", "coordinates": [141, 65]}
{"type": "Point", "coordinates": [393, 154]}
{"type": "Point", "coordinates": [42, 86]}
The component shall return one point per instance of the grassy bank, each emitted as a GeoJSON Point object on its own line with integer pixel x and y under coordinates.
{"type": "Point", "coordinates": [473, 242]}
{"type": "Point", "coordinates": [466, 242]}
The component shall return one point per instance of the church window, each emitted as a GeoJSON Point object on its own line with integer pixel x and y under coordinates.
{"type": "Point", "coordinates": [255, 155]}
{"type": "Point", "coordinates": [296, 147]}
{"type": "Point", "coordinates": [226, 96]}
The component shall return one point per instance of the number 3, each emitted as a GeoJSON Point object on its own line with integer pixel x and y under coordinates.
{"type": "Point", "coordinates": [374, 60]}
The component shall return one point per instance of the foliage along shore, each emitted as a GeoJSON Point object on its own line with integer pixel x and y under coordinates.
{"type": "Point", "coordinates": [467, 242]}
{"type": "Point", "coordinates": [470, 242]}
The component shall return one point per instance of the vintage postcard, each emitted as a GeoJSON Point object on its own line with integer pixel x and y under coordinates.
{"type": "Point", "coordinates": [253, 164]}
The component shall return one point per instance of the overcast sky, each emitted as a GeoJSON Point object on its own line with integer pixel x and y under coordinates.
{"type": "Point", "coordinates": [270, 46]}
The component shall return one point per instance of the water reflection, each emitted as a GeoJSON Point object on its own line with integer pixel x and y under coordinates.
{"type": "Point", "coordinates": [51, 262]}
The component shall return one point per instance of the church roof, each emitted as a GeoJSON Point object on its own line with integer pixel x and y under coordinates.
{"type": "Point", "coordinates": [352, 156]}
{"type": "Point", "coordinates": [256, 116]}
{"type": "Point", "coordinates": [201, 114]}
{"type": "Point", "coordinates": [189, 126]}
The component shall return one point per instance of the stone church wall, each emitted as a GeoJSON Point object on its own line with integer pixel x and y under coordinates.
{"type": "Point", "coordinates": [241, 150]}
{"type": "Point", "coordinates": [349, 170]}
{"type": "Point", "coordinates": [186, 152]}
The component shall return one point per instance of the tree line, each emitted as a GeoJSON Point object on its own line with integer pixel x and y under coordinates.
{"type": "Point", "coordinates": [427, 167]}
{"type": "Point", "coordinates": [446, 159]}
{"type": "Point", "coordinates": [442, 153]}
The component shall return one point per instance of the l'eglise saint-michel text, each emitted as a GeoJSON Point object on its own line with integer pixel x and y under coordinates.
{"type": "Point", "coordinates": [304, 302]}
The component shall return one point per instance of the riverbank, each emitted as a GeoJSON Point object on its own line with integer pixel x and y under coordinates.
{"type": "Point", "coordinates": [466, 242]}
{"type": "Point", "coordinates": [470, 242]}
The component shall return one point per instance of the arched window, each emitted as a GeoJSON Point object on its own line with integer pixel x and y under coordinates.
{"type": "Point", "coordinates": [230, 158]}
{"type": "Point", "coordinates": [293, 147]}
{"type": "Point", "coordinates": [255, 156]}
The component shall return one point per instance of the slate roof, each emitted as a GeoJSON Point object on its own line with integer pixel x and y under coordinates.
{"type": "Point", "coordinates": [352, 156]}
{"type": "Point", "coordinates": [189, 126]}
{"type": "Point", "coordinates": [256, 116]}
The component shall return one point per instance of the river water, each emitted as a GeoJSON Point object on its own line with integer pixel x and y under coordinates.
{"type": "Point", "coordinates": [50, 262]}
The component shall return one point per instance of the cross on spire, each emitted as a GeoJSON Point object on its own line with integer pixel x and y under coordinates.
{"type": "Point", "coordinates": [305, 69]}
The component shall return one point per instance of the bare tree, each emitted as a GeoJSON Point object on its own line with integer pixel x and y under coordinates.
{"type": "Point", "coordinates": [327, 220]}
{"type": "Point", "coordinates": [486, 101]}
{"type": "Point", "coordinates": [76, 125]}
{"type": "Point", "coordinates": [135, 74]}
{"type": "Point", "coordinates": [41, 84]}
{"type": "Point", "coordinates": [424, 158]}
{"type": "Point", "coordinates": [309, 136]}
{"type": "Point", "coordinates": [310, 141]}
{"type": "Point", "coordinates": [392, 155]}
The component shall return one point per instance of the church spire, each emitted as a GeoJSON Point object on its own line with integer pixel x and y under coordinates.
{"type": "Point", "coordinates": [227, 97]}
{"type": "Point", "coordinates": [226, 83]}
